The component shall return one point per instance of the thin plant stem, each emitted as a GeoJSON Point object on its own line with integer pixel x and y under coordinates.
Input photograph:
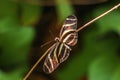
{"type": "Point", "coordinates": [31, 70]}
{"type": "Point", "coordinates": [95, 19]}
{"type": "Point", "coordinates": [90, 22]}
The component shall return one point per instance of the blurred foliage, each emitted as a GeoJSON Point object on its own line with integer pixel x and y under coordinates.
{"type": "Point", "coordinates": [110, 18]}
{"type": "Point", "coordinates": [64, 8]}
{"type": "Point", "coordinates": [15, 41]}
{"type": "Point", "coordinates": [14, 75]}
{"type": "Point", "coordinates": [30, 13]}
{"type": "Point", "coordinates": [98, 59]}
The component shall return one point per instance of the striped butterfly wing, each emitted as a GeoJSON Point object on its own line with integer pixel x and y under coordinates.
{"type": "Point", "coordinates": [57, 54]}
{"type": "Point", "coordinates": [64, 51]}
{"type": "Point", "coordinates": [51, 61]}
{"type": "Point", "coordinates": [68, 32]}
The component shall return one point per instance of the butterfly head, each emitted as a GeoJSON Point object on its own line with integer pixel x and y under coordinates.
{"type": "Point", "coordinates": [57, 39]}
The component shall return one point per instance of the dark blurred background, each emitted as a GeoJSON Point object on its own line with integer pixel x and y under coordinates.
{"type": "Point", "coordinates": [25, 25]}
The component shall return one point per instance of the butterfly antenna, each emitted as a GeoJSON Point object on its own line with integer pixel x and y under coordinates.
{"type": "Point", "coordinates": [46, 43]}
{"type": "Point", "coordinates": [51, 33]}
{"type": "Point", "coordinates": [34, 66]}
{"type": "Point", "coordinates": [90, 22]}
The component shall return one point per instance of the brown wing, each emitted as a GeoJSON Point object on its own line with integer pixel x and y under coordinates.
{"type": "Point", "coordinates": [64, 52]}
{"type": "Point", "coordinates": [51, 61]}
{"type": "Point", "coordinates": [68, 32]}
{"type": "Point", "coordinates": [58, 53]}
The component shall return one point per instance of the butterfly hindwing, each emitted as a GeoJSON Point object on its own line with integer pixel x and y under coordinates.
{"type": "Point", "coordinates": [51, 61]}
{"type": "Point", "coordinates": [57, 54]}
{"type": "Point", "coordinates": [64, 52]}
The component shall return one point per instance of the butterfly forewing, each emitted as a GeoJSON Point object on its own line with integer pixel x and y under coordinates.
{"type": "Point", "coordinates": [69, 23]}
{"type": "Point", "coordinates": [68, 32]}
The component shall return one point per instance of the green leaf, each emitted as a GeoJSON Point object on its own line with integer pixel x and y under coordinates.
{"type": "Point", "coordinates": [13, 75]}
{"type": "Point", "coordinates": [8, 8]}
{"type": "Point", "coordinates": [102, 68]}
{"type": "Point", "coordinates": [110, 22]}
{"type": "Point", "coordinates": [64, 8]}
{"type": "Point", "coordinates": [30, 13]}
{"type": "Point", "coordinates": [14, 43]}
{"type": "Point", "coordinates": [116, 74]}
{"type": "Point", "coordinates": [3, 76]}
{"type": "Point", "coordinates": [7, 23]}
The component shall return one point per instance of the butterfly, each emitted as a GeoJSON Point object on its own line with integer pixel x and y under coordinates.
{"type": "Point", "coordinates": [60, 50]}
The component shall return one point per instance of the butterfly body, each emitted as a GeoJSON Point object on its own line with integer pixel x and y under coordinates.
{"type": "Point", "coordinates": [60, 50]}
